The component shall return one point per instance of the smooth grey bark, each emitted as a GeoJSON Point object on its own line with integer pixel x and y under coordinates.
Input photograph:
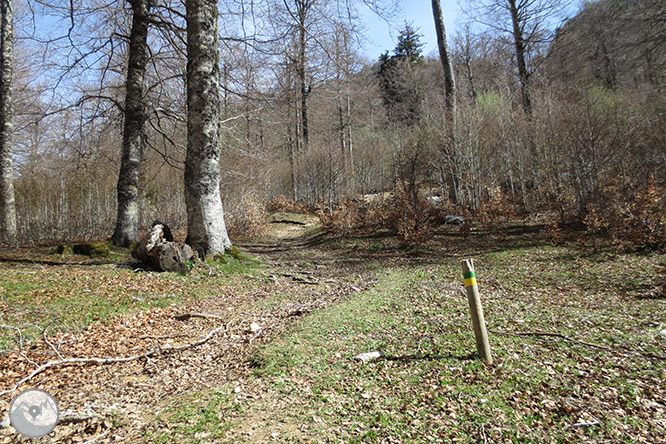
{"type": "Point", "coordinates": [206, 229]}
{"type": "Point", "coordinates": [127, 222]}
{"type": "Point", "coordinates": [8, 231]}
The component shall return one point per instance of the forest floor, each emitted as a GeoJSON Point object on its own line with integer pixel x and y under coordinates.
{"type": "Point", "coordinates": [262, 348]}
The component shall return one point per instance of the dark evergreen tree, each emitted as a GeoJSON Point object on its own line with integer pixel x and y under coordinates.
{"type": "Point", "coordinates": [398, 79]}
{"type": "Point", "coordinates": [409, 45]}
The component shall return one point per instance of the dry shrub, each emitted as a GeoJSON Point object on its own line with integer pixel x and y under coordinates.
{"type": "Point", "coordinates": [406, 213]}
{"type": "Point", "coordinates": [632, 218]}
{"type": "Point", "coordinates": [497, 208]}
{"type": "Point", "coordinates": [646, 221]}
{"type": "Point", "coordinates": [596, 222]}
{"type": "Point", "coordinates": [411, 218]}
{"type": "Point", "coordinates": [344, 219]}
{"type": "Point", "coordinates": [249, 221]}
{"type": "Point", "coordinates": [282, 204]}
{"type": "Point", "coordinates": [553, 233]}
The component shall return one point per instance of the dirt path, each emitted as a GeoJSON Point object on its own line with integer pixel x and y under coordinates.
{"type": "Point", "coordinates": [119, 402]}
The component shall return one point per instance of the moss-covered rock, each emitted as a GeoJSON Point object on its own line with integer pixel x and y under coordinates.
{"type": "Point", "coordinates": [62, 249]}
{"type": "Point", "coordinates": [233, 252]}
{"type": "Point", "coordinates": [219, 258]}
{"type": "Point", "coordinates": [91, 249]}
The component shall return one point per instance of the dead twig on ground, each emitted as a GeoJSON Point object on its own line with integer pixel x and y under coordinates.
{"type": "Point", "coordinates": [186, 316]}
{"type": "Point", "coordinates": [100, 436]}
{"type": "Point", "coordinates": [115, 360]}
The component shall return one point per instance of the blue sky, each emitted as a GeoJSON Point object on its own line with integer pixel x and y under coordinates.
{"type": "Point", "coordinates": [382, 37]}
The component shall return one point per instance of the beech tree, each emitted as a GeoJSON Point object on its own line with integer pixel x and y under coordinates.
{"type": "Point", "coordinates": [7, 205]}
{"type": "Point", "coordinates": [206, 229]}
{"type": "Point", "coordinates": [127, 223]}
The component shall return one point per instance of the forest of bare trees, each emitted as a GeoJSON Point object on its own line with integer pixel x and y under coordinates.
{"type": "Point", "coordinates": [538, 109]}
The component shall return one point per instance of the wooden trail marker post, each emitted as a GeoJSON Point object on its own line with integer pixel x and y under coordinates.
{"type": "Point", "coordinates": [478, 321]}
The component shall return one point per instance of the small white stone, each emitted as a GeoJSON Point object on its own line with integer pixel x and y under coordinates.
{"type": "Point", "coordinates": [365, 357]}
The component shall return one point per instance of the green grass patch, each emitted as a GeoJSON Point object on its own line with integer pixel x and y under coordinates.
{"type": "Point", "coordinates": [429, 385]}
{"type": "Point", "coordinates": [198, 418]}
{"type": "Point", "coordinates": [51, 292]}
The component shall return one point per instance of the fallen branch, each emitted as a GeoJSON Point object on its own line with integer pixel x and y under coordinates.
{"type": "Point", "coordinates": [73, 419]}
{"type": "Point", "coordinates": [152, 352]}
{"type": "Point", "coordinates": [575, 341]}
{"type": "Point", "coordinates": [287, 221]}
{"type": "Point", "coordinates": [102, 435]}
{"type": "Point", "coordinates": [594, 423]}
{"type": "Point", "coordinates": [186, 316]}
{"type": "Point", "coordinates": [180, 335]}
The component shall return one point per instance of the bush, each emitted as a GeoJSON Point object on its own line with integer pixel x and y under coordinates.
{"type": "Point", "coordinates": [282, 204]}
{"type": "Point", "coordinates": [645, 223]}
{"type": "Point", "coordinates": [496, 208]}
{"type": "Point", "coordinates": [631, 218]}
{"type": "Point", "coordinates": [249, 221]}
{"type": "Point", "coordinates": [411, 218]}
{"type": "Point", "coordinates": [344, 219]}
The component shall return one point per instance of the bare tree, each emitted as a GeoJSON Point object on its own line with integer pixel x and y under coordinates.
{"type": "Point", "coordinates": [447, 66]}
{"type": "Point", "coordinates": [7, 204]}
{"type": "Point", "coordinates": [127, 223]}
{"type": "Point", "coordinates": [528, 24]}
{"type": "Point", "coordinates": [614, 43]}
{"type": "Point", "coordinates": [206, 229]}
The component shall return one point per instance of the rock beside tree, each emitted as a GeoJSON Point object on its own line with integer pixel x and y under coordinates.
{"type": "Point", "coordinates": [158, 249]}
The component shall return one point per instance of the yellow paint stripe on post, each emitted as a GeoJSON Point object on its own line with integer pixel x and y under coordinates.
{"type": "Point", "coordinates": [470, 279]}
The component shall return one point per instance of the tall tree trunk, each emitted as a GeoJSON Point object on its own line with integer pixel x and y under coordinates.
{"type": "Point", "coordinates": [342, 137]}
{"type": "Point", "coordinates": [447, 66]}
{"type": "Point", "coordinates": [303, 7]}
{"type": "Point", "coordinates": [519, 42]}
{"type": "Point", "coordinates": [127, 222]}
{"type": "Point", "coordinates": [8, 231]}
{"type": "Point", "coordinates": [206, 230]}
{"type": "Point", "coordinates": [350, 138]}
{"type": "Point", "coordinates": [449, 91]}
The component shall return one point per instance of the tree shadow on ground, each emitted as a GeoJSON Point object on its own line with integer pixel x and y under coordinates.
{"type": "Point", "coordinates": [429, 357]}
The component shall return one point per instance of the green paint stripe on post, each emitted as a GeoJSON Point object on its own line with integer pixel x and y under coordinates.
{"type": "Point", "coordinates": [469, 274]}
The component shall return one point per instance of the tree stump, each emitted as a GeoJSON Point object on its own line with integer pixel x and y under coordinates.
{"type": "Point", "coordinates": [159, 250]}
